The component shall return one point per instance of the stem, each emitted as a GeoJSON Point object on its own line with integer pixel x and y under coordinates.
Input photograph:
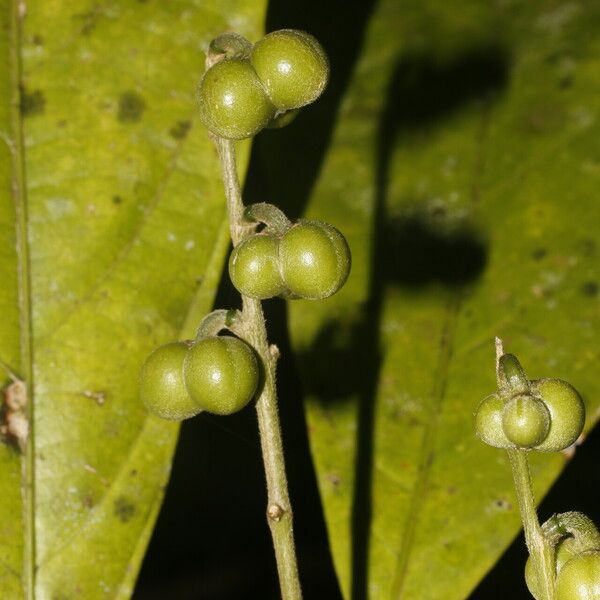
{"type": "Point", "coordinates": [216, 321]}
{"type": "Point", "coordinates": [279, 509]}
{"type": "Point", "coordinates": [270, 215]}
{"type": "Point", "coordinates": [233, 192]}
{"type": "Point", "coordinates": [540, 550]}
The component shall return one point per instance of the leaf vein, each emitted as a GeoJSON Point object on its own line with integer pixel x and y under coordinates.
{"type": "Point", "coordinates": [127, 246]}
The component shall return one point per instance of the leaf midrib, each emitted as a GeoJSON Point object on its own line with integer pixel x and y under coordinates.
{"type": "Point", "coordinates": [24, 293]}
{"type": "Point", "coordinates": [426, 454]}
{"type": "Point", "coordinates": [452, 310]}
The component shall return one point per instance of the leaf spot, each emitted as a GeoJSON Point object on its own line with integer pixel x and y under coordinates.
{"type": "Point", "coordinates": [131, 107]}
{"type": "Point", "coordinates": [180, 130]}
{"type": "Point", "coordinates": [88, 20]}
{"type": "Point", "coordinates": [502, 504]}
{"type": "Point", "coordinates": [334, 479]}
{"type": "Point", "coordinates": [88, 501]}
{"type": "Point", "coordinates": [590, 289]}
{"type": "Point", "coordinates": [124, 509]}
{"type": "Point", "coordinates": [32, 103]}
{"type": "Point", "coordinates": [98, 397]}
{"type": "Point", "coordinates": [14, 426]}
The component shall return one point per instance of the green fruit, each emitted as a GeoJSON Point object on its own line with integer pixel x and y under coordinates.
{"type": "Point", "coordinates": [292, 66]}
{"type": "Point", "coordinates": [161, 383]}
{"type": "Point", "coordinates": [525, 421]}
{"type": "Point", "coordinates": [254, 267]}
{"type": "Point", "coordinates": [232, 101]}
{"type": "Point", "coordinates": [565, 551]}
{"type": "Point", "coordinates": [488, 422]}
{"type": "Point", "coordinates": [314, 260]}
{"type": "Point", "coordinates": [579, 579]}
{"type": "Point", "coordinates": [567, 413]}
{"type": "Point", "coordinates": [221, 374]}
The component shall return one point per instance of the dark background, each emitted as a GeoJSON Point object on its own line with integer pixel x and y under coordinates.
{"type": "Point", "coordinates": [212, 541]}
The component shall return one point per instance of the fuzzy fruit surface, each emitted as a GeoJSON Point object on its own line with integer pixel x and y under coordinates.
{"type": "Point", "coordinates": [525, 421]}
{"type": "Point", "coordinates": [488, 422]}
{"type": "Point", "coordinates": [232, 101]}
{"type": "Point", "coordinates": [292, 66]}
{"type": "Point", "coordinates": [567, 413]}
{"type": "Point", "coordinates": [314, 259]}
{"type": "Point", "coordinates": [162, 389]}
{"type": "Point", "coordinates": [579, 579]}
{"type": "Point", "coordinates": [221, 374]}
{"type": "Point", "coordinates": [254, 267]}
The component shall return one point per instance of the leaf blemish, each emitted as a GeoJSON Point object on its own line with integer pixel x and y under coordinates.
{"type": "Point", "coordinates": [124, 509]}
{"type": "Point", "coordinates": [334, 479]}
{"type": "Point", "coordinates": [117, 199]}
{"type": "Point", "coordinates": [98, 397]}
{"type": "Point", "coordinates": [590, 289]}
{"type": "Point", "coordinates": [88, 501]}
{"type": "Point", "coordinates": [539, 253]}
{"type": "Point", "coordinates": [89, 20]}
{"type": "Point", "coordinates": [32, 103]}
{"type": "Point", "coordinates": [15, 424]}
{"type": "Point", "coordinates": [502, 504]}
{"type": "Point", "coordinates": [180, 130]}
{"type": "Point", "coordinates": [131, 107]}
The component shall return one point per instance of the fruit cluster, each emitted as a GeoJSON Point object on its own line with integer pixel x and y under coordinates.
{"type": "Point", "coordinates": [248, 88]}
{"type": "Point", "coordinates": [262, 85]}
{"type": "Point", "coordinates": [308, 260]}
{"type": "Point", "coordinates": [576, 543]}
{"type": "Point", "coordinates": [547, 415]}
{"type": "Point", "coordinates": [217, 374]}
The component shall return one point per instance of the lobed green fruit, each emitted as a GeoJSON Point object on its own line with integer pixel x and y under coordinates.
{"type": "Point", "coordinates": [572, 533]}
{"type": "Point", "coordinates": [564, 552]}
{"type": "Point", "coordinates": [254, 267]}
{"type": "Point", "coordinates": [292, 66]}
{"type": "Point", "coordinates": [488, 422]}
{"type": "Point", "coordinates": [525, 421]}
{"type": "Point", "coordinates": [162, 389]}
{"type": "Point", "coordinates": [232, 101]}
{"type": "Point", "coordinates": [314, 260]}
{"type": "Point", "coordinates": [579, 578]}
{"type": "Point", "coordinates": [221, 374]}
{"type": "Point", "coordinates": [567, 413]}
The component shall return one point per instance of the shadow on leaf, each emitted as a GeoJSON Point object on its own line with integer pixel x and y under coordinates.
{"type": "Point", "coordinates": [422, 247]}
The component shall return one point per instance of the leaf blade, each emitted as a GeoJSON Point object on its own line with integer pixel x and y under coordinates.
{"type": "Point", "coordinates": [125, 214]}
{"type": "Point", "coordinates": [441, 195]}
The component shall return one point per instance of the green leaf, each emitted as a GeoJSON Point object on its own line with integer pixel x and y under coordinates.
{"type": "Point", "coordinates": [112, 222]}
{"type": "Point", "coordinates": [464, 170]}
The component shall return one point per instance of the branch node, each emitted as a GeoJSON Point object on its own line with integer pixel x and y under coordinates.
{"type": "Point", "coordinates": [275, 512]}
